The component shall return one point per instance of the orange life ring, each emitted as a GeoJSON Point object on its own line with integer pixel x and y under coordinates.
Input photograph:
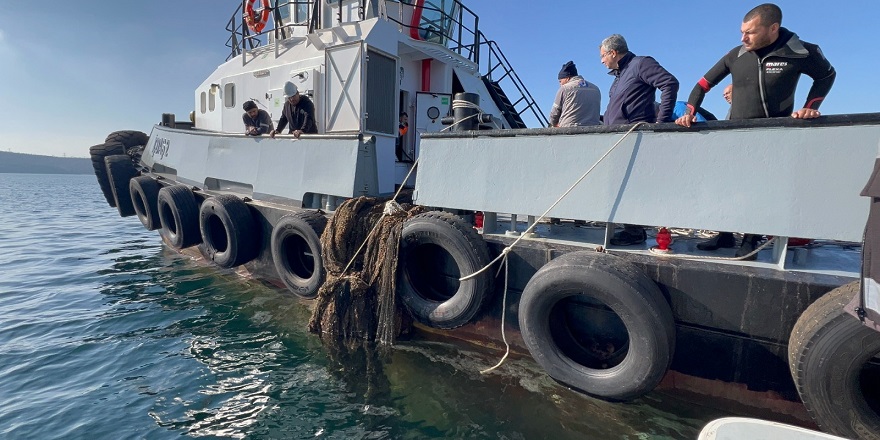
{"type": "Point", "coordinates": [250, 16]}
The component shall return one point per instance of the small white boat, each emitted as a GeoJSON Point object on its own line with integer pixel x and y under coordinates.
{"type": "Point", "coordinates": [740, 428]}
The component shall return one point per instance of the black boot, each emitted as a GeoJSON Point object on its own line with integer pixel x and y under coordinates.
{"type": "Point", "coordinates": [630, 235]}
{"type": "Point", "coordinates": [749, 244]}
{"type": "Point", "coordinates": [722, 240]}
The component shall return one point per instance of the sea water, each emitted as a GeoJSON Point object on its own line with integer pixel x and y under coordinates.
{"type": "Point", "coordinates": [106, 334]}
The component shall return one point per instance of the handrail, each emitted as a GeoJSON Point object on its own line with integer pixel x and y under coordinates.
{"type": "Point", "coordinates": [241, 38]}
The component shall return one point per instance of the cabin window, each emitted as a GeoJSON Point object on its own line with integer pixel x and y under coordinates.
{"type": "Point", "coordinates": [212, 101]}
{"type": "Point", "coordinates": [301, 12]}
{"type": "Point", "coordinates": [282, 9]}
{"type": "Point", "coordinates": [203, 101]}
{"type": "Point", "coordinates": [381, 102]}
{"type": "Point", "coordinates": [229, 95]}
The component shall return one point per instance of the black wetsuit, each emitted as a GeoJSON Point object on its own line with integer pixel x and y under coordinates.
{"type": "Point", "coordinates": [764, 81]}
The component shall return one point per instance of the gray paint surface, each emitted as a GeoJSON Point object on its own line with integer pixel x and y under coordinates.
{"type": "Point", "coordinates": [283, 167]}
{"type": "Point", "coordinates": [786, 181]}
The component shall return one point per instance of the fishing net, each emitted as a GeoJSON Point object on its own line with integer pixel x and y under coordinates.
{"type": "Point", "coordinates": [357, 302]}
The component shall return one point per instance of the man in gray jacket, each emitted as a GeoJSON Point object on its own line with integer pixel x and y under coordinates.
{"type": "Point", "coordinates": [577, 101]}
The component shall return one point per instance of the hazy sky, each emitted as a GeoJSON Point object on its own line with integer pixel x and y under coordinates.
{"type": "Point", "coordinates": [72, 72]}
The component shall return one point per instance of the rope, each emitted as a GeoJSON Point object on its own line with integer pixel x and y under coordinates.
{"type": "Point", "coordinates": [391, 207]}
{"type": "Point", "coordinates": [655, 251]}
{"type": "Point", "coordinates": [460, 103]}
{"type": "Point", "coordinates": [503, 318]}
{"type": "Point", "coordinates": [507, 250]}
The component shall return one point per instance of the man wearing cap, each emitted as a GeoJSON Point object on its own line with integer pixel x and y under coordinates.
{"type": "Point", "coordinates": [577, 102]}
{"type": "Point", "coordinates": [256, 121]}
{"type": "Point", "coordinates": [299, 112]}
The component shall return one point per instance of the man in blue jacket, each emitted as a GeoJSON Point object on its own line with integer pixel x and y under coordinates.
{"type": "Point", "coordinates": [631, 99]}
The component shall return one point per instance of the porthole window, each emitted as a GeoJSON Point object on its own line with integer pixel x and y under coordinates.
{"type": "Point", "coordinates": [229, 95]}
{"type": "Point", "coordinates": [203, 102]}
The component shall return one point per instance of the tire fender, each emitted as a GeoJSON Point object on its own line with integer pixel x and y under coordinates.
{"type": "Point", "coordinates": [621, 287]}
{"type": "Point", "coordinates": [827, 351]}
{"type": "Point", "coordinates": [296, 252]}
{"type": "Point", "coordinates": [144, 192]}
{"type": "Point", "coordinates": [120, 171]}
{"type": "Point", "coordinates": [179, 216]}
{"type": "Point", "coordinates": [437, 248]}
{"type": "Point", "coordinates": [98, 153]}
{"type": "Point", "coordinates": [229, 233]}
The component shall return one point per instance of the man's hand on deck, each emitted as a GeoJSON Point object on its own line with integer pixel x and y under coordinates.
{"type": "Point", "coordinates": [686, 120]}
{"type": "Point", "coordinates": [806, 113]}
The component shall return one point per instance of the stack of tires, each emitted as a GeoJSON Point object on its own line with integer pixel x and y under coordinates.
{"type": "Point", "coordinates": [115, 163]}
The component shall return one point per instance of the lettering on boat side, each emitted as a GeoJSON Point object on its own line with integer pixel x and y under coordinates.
{"type": "Point", "coordinates": [160, 148]}
{"type": "Point", "coordinates": [261, 73]}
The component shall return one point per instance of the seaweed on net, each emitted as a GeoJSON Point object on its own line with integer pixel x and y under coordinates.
{"type": "Point", "coordinates": [359, 304]}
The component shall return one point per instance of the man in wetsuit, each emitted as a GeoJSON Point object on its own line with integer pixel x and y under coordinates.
{"type": "Point", "coordinates": [765, 71]}
{"type": "Point", "coordinates": [299, 111]}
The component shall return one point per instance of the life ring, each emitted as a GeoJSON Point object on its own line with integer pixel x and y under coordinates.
{"type": "Point", "coordinates": [120, 171]}
{"type": "Point", "coordinates": [230, 236]}
{"type": "Point", "coordinates": [179, 216]}
{"type": "Point", "coordinates": [597, 323]}
{"type": "Point", "coordinates": [296, 252]}
{"type": "Point", "coordinates": [436, 249]}
{"type": "Point", "coordinates": [250, 16]}
{"type": "Point", "coordinates": [828, 354]}
{"type": "Point", "coordinates": [144, 192]}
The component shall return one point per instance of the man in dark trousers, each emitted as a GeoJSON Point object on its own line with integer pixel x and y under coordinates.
{"type": "Point", "coordinates": [256, 121]}
{"type": "Point", "coordinates": [765, 71]}
{"type": "Point", "coordinates": [631, 99]}
{"type": "Point", "coordinates": [299, 112]}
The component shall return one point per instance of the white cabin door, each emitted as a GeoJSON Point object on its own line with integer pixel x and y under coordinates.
{"type": "Point", "coordinates": [344, 78]}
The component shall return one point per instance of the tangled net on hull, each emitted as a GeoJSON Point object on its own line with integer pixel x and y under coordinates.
{"type": "Point", "coordinates": [357, 302]}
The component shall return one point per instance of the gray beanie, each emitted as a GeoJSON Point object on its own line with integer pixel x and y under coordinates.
{"type": "Point", "coordinates": [290, 89]}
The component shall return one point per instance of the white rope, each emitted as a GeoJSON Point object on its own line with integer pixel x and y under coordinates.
{"type": "Point", "coordinates": [507, 250]}
{"type": "Point", "coordinates": [503, 318]}
{"type": "Point", "coordinates": [391, 207]}
{"type": "Point", "coordinates": [460, 103]}
{"type": "Point", "coordinates": [655, 251]}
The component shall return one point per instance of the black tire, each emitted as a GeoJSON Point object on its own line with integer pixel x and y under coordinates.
{"type": "Point", "coordinates": [230, 236]}
{"type": "Point", "coordinates": [436, 249]}
{"type": "Point", "coordinates": [614, 293]}
{"type": "Point", "coordinates": [128, 138]}
{"type": "Point", "coordinates": [120, 171]}
{"type": "Point", "coordinates": [296, 251]}
{"type": "Point", "coordinates": [144, 191]}
{"type": "Point", "coordinates": [827, 354]}
{"type": "Point", "coordinates": [179, 216]}
{"type": "Point", "coordinates": [98, 153]}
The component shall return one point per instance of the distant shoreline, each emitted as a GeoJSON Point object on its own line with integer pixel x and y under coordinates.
{"type": "Point", "coordinates": [21, 163]}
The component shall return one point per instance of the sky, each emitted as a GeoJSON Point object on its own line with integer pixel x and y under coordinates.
{"type": "Point", "coordinates": [72, 72]}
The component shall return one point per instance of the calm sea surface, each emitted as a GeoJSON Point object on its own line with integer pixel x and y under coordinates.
{"type": "Point", "coordinates": [105, 334]}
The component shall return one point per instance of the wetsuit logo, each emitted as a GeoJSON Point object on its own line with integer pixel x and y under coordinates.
{"type": "Point", "coordinates": [160, 148]}
{"type": "Point", "coordinates": [775, 67]}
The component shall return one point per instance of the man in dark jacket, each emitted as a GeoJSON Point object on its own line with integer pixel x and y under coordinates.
{"type": "Point", "coordinates": [631, 99]}
{"type": "Point", "coordinates": [765, 71]}
{"type": "Point", "coordinates": [636, 80]}
{"type": "Point", "coordinates": [256, 121]}
{"type": "Point", "coordinates": [299, 111]}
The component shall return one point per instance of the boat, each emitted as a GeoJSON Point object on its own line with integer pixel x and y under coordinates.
{"type": "Point", "coordinates": [740, 428]}
{"type": "Point", "coordinates": [478, 257]}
